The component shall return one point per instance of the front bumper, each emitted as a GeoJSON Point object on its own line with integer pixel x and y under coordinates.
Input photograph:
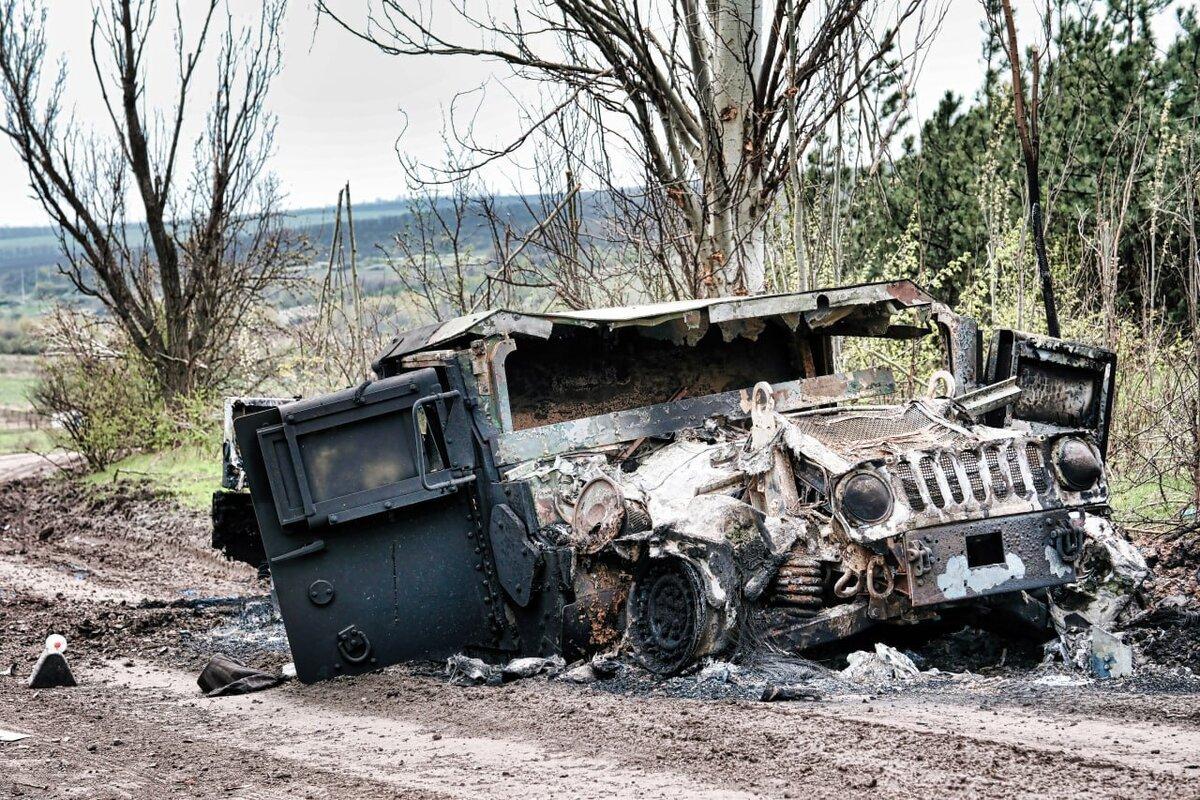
{"type": "Point", "coordinates": [965, 560]}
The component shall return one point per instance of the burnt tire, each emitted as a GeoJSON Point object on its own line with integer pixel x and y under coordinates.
{"type": "Point", "coordinates": [668, 614]}
{"type": "Point", "coordinates": [235, 529]}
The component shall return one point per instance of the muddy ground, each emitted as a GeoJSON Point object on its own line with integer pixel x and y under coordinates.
{"type": "Point", "coordinates": [128, 578]}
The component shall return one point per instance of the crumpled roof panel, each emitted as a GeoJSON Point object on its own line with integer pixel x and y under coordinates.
{"type": "Point", "coordinates": [902, 294]}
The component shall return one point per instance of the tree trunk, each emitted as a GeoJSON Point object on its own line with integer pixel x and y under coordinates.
{"type": "Point", "coordinates": [735, 231]}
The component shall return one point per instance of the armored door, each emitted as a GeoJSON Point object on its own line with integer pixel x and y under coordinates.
{"type": "Point", "coordinates": [366, 504]}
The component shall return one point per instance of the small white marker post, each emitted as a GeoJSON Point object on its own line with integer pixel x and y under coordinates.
{"type": "Point", "coordinates": [51, 669]}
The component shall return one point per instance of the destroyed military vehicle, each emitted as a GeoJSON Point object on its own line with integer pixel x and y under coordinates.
{"type": "Point", "coordinates": [671, 480]}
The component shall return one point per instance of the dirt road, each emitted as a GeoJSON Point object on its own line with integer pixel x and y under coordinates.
{"type": "Point", "coordinates": [125, 581]}
{"type": "Point", "coordinates": [16, 466]}
{"type": "Point", "coordinates": [139, 729]}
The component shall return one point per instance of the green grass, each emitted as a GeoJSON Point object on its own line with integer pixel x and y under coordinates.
{"type": "Point", "coordinates": [22, 441]}
{"type": "Point", "coordinates": [18, 376]}
{"type": "Point", "coordinates": [190, 474]}
{"type": "Point", "coordinates": [1149, 501]}
{"type": "Point", "coordinates": [15, 390]}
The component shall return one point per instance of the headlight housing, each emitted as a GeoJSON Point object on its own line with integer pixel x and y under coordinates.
{"type": "Point", "coordinates": [866, 498]}
{"type": "Point", "coordinates": [1078, 463]}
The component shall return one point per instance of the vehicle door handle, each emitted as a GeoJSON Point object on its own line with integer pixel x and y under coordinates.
{"type": "Point", "coordinates": [300, 552]}
{"type": "Point", "coordinates": [420, 449]}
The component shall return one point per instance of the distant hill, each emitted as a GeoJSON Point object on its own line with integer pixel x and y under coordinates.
{"type": "Point", "coordinates": [29, 255]}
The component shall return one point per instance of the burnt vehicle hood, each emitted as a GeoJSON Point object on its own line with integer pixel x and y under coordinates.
{"type": "Point", "coordinates": [863, 433]}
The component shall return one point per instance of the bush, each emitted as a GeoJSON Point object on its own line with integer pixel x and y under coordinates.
{"type": "Point", "coordinates": [102, 401]}
{"type": "Point", "coordinates": [17, 336]}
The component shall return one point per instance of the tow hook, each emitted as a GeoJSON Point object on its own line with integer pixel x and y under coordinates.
{"type": "Point", "coordinates": [353, 645]}
{"type": "Point", "coordinates": [1067, 536]}
{"type": "Point", "coordinates": [849, 584]}
{"type": "Point", "coordinates": [920, 556]}
{"type": "Point", "coordinates": [880, 581]}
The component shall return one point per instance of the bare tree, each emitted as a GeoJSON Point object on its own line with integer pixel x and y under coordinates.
{"type": "Point", "coordinates": [1028, 132]}
{"type": "Point", "coordinates": [432, 256]}
{"type": "Point", "coordinates": [197, 249]}
{"type": "Point", "coordinates": [718, 100]}
{"type": "Point", "coordinates": [337, 333]}
{"type": "Point", "coordinates": [464, 247]}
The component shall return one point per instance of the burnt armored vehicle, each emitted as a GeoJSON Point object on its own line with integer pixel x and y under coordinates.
{"type": "Point", "coordinates": [672, 478]}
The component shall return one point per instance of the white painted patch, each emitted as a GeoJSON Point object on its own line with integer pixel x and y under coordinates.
{"type": "Point", "coordinates": [1057, 566]}
{"type": "Point", "coordinates": [1059, 679]}
{"type": "Point", "coordinates": [958, 578]}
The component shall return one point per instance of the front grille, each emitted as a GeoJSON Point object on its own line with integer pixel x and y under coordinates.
{"type": "Point", "coordinates": [995, 472]}
{"type": "Point", "coordinates": [931, 483]}
{"type": "Point", "coordinates": [866, 429]}
{"type": "Point", "coordinates": [947, 463]}
{"type": "Point", "coordinates": [1014, 471]}
{"type": "Point", "coordinates": [970, 461]}
{"type": "Point", "coordinates": [911, 491]}
{"type": "Point", "coordinates": [1033, 454]}
{"type": "Point", "coordinates": [999, 485]}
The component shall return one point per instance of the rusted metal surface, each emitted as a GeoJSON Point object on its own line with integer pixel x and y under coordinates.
{"type": "Point", "coordinates": [664, 418]}
{"type": "Point", "coordinates": [595, 620]}
{"type": "Point", "coordinates": [599, 514]}
{"type": "Point", "coordinates": [989, 556]}
{"type": "Point", "coordinates": [692, 314]}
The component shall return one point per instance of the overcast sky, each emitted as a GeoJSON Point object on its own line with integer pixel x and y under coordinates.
{"type": "Point", "coordinates": [342, 104]}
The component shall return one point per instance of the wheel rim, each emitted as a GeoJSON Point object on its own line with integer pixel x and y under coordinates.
{"type": "Point", "coordinates": [667, 611]}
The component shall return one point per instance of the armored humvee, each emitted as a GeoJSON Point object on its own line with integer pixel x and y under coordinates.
{"type": "Point", "coordinates": [672, 478]}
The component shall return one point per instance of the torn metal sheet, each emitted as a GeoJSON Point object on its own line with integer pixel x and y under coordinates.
{"type": "Point", "coordinates": [693, 313]}
{"type": "Point", "coordinates": [657, 420]}
{"type": "Point", "coordinates": [986, 399]}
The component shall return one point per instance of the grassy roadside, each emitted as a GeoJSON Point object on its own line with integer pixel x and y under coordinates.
{"type": "Point", "coordinates": [23, 440]}
{"type": "Point", "coordinates": [15, 390]}
{"type": "Point", "coordinates": [18, 377]}
{"type": "Point", "coordinates": [190, 474]}
{"type": "Point", "coordinates": [1152, 502]}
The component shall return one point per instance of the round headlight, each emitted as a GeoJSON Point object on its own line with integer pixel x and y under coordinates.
{"type": "Point", "coordinates": [1078, 463]}
{"type": "Point", "coordinates": [866, 498]}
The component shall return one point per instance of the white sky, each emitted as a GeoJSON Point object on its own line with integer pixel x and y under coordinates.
{"type": "Point", "coordinates": [341, 104]}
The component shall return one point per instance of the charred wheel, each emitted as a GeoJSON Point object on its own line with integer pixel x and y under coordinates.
{"type": "Point", "coordinates": [668, 614]}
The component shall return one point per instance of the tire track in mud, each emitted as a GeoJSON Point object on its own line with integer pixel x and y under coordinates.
{"type": "Point", "coordinates": [770, 750]}
{"type": "Point", "coordinates": [85, 746]}
{"type": "Point", "coordinates": [398, 734]}
{"type": "Point", "coordinates": [1161, 747]}
{"type": "Point", "coordinates": [408, 755]}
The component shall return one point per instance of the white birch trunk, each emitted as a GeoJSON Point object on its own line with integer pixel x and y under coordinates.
{"type": "Point", "coordinates": [736, 241]}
